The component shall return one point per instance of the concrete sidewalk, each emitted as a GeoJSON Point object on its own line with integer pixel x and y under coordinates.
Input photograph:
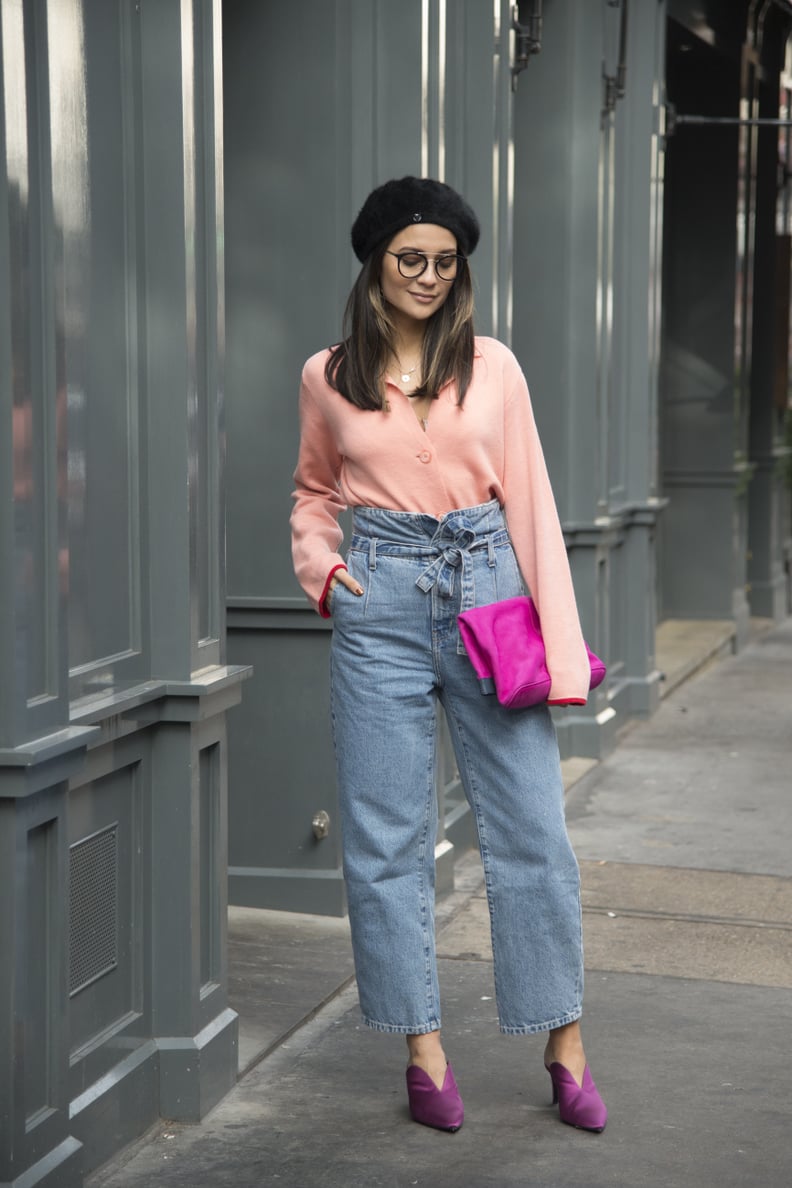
{"type": "Point", "coordinates": [684, 840]}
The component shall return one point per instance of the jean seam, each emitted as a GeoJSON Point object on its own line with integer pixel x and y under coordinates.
{"type": "Point", "coordinates": [546, 1025]}
{"type": "Point", "coordinates": [472, 790]}
{"type": "Point", "coordinates": [430, 959]}
{"type": "Point", "coordinates": [474, 796]}
{"type": "Point", "coordinates": [403, 1028]}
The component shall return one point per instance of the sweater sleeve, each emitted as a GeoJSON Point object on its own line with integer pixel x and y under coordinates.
{"type": "Point", "coordinates": [316, 533]}
{"type": "Point", "coordinates": [538, 542]}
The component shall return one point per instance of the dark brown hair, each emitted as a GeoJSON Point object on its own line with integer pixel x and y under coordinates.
{"type": "Point", "coordinates": [356, 366]}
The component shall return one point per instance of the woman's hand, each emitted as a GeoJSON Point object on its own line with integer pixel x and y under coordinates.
{"type": "Point", "coordinates": [344, 578]}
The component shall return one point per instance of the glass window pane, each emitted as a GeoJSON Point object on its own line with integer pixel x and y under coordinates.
{"type": "Point", "coordinates": [90, 91]}
{"type": "Point", "coordinates": [28, 378]}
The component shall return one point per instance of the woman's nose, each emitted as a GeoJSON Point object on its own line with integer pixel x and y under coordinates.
{"type": "Point", "coordinates": [429, 274]}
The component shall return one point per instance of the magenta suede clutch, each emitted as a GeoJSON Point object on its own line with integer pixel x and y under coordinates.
{"type": "Point", "coordinates": [505, 646]}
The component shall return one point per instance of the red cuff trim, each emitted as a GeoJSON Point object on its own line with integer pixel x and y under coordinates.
{"type": "Point", "coordinates": [323, 611]}
{"type": "Point", "coordinates": [567, 701]}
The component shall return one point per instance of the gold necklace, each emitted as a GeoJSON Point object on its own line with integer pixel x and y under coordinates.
{"type": "Point", "coordinates": [405, 374]}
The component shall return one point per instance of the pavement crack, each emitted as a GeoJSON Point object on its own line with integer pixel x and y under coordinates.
{"type": "Point", "coordinates": [687, 917]}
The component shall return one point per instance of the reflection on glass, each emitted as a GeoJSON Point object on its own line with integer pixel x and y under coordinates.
{"type": "Point", "coordinates": [198, 209]}
{"type": "Point", "coordinates": [95, 303]}
{"type": "Point", "coordinates": [26, 378]}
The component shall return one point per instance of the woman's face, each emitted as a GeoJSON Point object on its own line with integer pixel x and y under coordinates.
{"type": "Point", "coordinates": [415, 299]}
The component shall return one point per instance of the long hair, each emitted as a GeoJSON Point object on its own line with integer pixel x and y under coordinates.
{"type": "Point", "coordinates": [356, 366]}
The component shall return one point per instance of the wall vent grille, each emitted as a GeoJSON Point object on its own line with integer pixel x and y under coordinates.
{"type": "Point", "coordinates": [93, 908]}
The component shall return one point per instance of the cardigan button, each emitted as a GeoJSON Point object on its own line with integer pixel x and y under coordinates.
{"type": "Point", "coordinates": [425, 456]}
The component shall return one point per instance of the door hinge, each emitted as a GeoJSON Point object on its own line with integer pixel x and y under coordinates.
{"type": "Point", "coordinates": [527, 41]}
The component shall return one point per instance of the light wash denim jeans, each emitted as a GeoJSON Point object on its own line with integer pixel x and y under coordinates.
{"type": "Point", "coordinates": [395, 652]}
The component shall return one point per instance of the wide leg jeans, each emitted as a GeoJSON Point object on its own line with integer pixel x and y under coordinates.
{"type": "Point", "coordinates": [396, 653]}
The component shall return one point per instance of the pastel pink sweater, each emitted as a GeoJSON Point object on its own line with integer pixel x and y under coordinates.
{"type": "Point", "coordinates": [489, 448]}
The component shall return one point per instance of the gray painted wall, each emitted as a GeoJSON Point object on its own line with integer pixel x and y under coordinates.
{"type": "Point", "coordinates": [382, 89]}
{"type": "Point", "coordinates": [113, 836]}
{"type": "Point", "coordinates": [587, 242]}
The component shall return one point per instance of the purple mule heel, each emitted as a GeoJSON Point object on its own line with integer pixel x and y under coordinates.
{"type": "Point", "coordinates": [578, 1105]}
{"type": "Point", "coordinates": [441, 1108]}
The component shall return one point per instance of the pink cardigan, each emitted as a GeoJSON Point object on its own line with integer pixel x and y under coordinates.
{"type": "Point", "coordinates": [487, 449]}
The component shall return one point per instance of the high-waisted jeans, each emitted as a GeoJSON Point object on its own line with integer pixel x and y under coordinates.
{"type": "Point", "coordinates": [395, 652]}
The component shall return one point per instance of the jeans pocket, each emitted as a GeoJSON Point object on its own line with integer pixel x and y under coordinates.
{"type": "Point", "coordinates": [342, 597]}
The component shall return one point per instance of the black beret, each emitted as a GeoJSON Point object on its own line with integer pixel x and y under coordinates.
{"type": "Point", "coordinates": [399, 203]}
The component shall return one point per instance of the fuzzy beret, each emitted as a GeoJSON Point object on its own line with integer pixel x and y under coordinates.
{"type": "Point", "coordinates": [398, 204]}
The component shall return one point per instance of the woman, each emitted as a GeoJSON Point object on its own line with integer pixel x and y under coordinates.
{"type": "Point", "coordinates": [427, 433]}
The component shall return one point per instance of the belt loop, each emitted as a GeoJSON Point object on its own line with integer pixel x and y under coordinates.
{"type": "Point", "coordinates": [373, 552]}
{"type": "Point", "coordinates": [490, 552]}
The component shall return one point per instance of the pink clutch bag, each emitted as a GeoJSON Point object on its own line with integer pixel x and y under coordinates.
{"type": "Point", "coordinates": [505, 646]}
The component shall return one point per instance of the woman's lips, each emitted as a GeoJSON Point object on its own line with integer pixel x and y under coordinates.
{"type": "Point", "coordinates": [424, 298]}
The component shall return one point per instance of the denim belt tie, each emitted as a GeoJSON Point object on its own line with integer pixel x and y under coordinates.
{"type": "Point", "coordinates": [454, 543]}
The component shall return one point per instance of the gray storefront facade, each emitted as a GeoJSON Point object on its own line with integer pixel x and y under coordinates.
{"type": "Point", "coordinates": [112, 637]}
{"type": "Point", "coordinates": [178, 181]}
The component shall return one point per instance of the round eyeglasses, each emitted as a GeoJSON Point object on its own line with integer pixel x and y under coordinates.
{"type": "Point", "coordinates": [413, 264]}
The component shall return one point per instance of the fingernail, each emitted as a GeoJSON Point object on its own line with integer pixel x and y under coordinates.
{"type": "Point", "coordinates": [358, 591]}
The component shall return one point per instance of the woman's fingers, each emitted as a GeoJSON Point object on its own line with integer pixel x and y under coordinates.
{"type": "Point", "coordinates": [342, 577]}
